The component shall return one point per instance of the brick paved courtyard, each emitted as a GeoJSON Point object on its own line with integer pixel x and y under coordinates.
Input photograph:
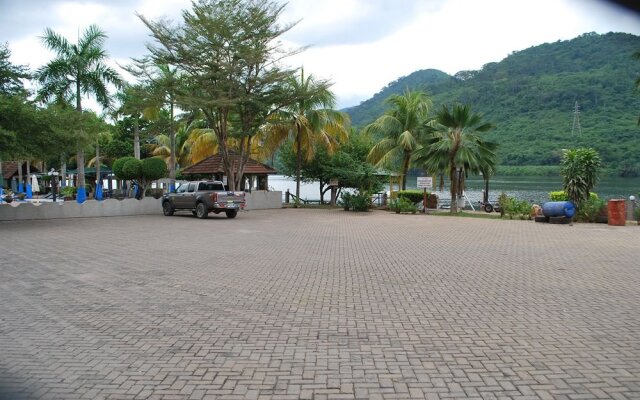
{"type": "Point", "coordinates": [318, 304]}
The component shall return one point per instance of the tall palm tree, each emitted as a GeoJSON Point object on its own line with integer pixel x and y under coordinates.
{"type": "Point", "coordinates": [454, 145]}
{"type": "Point", "coordinates": [399, 131]}
{"type": "Point", "coordinates": [309, 121]}
{"type": "Point", "coordinates": [77, 70]}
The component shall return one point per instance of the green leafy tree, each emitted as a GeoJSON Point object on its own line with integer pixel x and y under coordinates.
{"type": "Point", "coordinates": [229, 55]}
{"type": "Point", "coordinates": [77, 70]}
{"type": "Point", "coordinates": [140, 172]}
{"type": "Point", "coordinates": [455, 145]}
{"type": "Point", "coordinates": [309, 123]}
{"type": "Point", "coordinates": [579, 169]}
{"type": "Point", "coordinates": [399, 131]}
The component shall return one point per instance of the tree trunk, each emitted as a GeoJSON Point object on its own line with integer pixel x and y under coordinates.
{"type": "Point", "coordinates": [453, 175]}
{"type": "Point", "coordinates": [405, 169]}
{"type": "Point", "coordinates": [98, 177]}
{"type": "Point", "coordinates": [63, 171]}
{"type": "Point", "coordinates": [172, 150]}
{"type": "Point", "coordinates": [136, 139]}
{"type": "Point", "coordinates": [1, 175]}
{"type": "Point", "coordinates": [20, 181]}
{"type": "Point", "coordinates": [298, 168]}
{"type": "Point", "coordinates": [81, 193]}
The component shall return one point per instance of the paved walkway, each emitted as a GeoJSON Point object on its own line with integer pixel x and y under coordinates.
{"type": "Point", "coordinates": [317, 304]}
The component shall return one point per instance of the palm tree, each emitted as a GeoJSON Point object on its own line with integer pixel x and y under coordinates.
{"type": "Point", "coordinates": [455, 145]}
{"type": "Point", "coordinates": [399, 131]}
{"type": "Point", "coordinates": [309, 121]}
{"type": "Point", "coordinates": [78, 69]}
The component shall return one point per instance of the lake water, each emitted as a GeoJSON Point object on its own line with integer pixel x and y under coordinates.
{"type": "Point", "coordinates": [532, 188]}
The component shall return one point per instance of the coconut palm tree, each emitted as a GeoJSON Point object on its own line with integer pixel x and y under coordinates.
{"type": "Point", "coordinates": [308, 122]}
{"type": "Point", "coordinates": [454, 145]}
{"type": "Point", "coordinates": [399, 131]}
{"type": "Point", "coordinates": [77, 70]}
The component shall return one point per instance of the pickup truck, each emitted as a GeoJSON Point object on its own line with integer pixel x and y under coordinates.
{"type": "Point", "coordinates": [203, 197]}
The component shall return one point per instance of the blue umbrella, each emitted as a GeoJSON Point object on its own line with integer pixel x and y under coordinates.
{"type": "Point", "coordinates": [98, 192]}
{"type": "Point", "coordinates": [29, 191]}
{"type": "Point", "coordinates": [20, 187]}
{"type": "Point", "coordinates": [1, 194]}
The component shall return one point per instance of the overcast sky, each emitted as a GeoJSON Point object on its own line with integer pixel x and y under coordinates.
{"type": "Point", "coordinates": [360, 45]}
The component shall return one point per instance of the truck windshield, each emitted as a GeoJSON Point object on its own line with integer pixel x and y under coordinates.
{"type": "Point", "coordinates": [210, 186]}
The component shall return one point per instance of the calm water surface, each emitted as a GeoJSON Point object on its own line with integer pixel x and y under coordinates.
{"type": "Point", "coordinates": [533, 188]}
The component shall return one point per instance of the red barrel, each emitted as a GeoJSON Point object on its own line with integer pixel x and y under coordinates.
{"type": "Point", "coordinates": [616, 212]}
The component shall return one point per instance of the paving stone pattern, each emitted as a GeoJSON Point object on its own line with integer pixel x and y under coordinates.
{"type": "Point", "coordinates": [318, 304]}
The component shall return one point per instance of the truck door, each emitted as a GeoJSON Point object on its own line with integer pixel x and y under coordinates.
{"type": "Point", "coordinates": [190, 197]}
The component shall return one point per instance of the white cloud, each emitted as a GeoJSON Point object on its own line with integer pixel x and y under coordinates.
{"type": "Point", "coordinates": [361, 45]}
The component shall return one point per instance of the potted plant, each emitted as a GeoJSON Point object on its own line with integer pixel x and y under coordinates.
{"type": "Point", "coordinates": [636, 212]}
{"type": "Point", "coordinates": [67, 192]}
{"type": "Point", "coordinates": [8, 195]}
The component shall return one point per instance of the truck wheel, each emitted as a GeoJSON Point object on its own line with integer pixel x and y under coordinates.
{"type": "Point", "coordinates": [231, 213]}
{"type": "Point", "coordinates": [167, 209]}
{"type": "Point", "coordinates": [488, 208]}
{"type": "Point", "coordinates": [201, 211]}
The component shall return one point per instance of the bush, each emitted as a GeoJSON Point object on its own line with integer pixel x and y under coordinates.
{"type": "Point", "coordinates": [361, 201]}
{"type": "Point", "coordinates": [402, 204]}
{"type": "Point", "coordinates": [132, 169]}
{"type": "Point", "coordinates": [414, 196]}
{"type": "Point", "coordinates": [118, 164]}
{"type": "Point", "coordinates": [346, 201]}
{"type": "Point", "coordinates": [67, 191]}
{"type": "Point", "coordinates": [153, 168]}
{"type": "Point", "coordinates": [514, 207]}
{"type": "Point", "coordinates": [590, 209]}
{"type": "Point", "coordinates": [560, 195]}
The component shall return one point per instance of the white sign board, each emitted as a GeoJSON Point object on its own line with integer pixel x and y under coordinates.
{"type": "Point", "coordinates": [425, 182]}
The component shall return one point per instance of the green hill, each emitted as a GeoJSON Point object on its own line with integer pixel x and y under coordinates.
{"type": "Point", "coordinates": [531, 94]}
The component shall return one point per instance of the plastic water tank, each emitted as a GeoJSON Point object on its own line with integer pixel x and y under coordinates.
{"type": "Point", "coordinates": [559, 209]}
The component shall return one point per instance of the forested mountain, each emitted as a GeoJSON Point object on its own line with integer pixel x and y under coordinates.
{"type": "Point", "coordinates": [531, 94]}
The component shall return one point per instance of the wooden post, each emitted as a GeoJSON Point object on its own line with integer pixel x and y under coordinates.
{"type": "Point", "coordinates": [424, 201]}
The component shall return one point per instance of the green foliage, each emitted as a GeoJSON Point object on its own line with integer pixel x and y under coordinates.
{"type": "Point", "coordinates": [636, 213]}
{"type": "Point", "coordinates": [118, 165]}
{"type": "Point", "coordinates": [67, 191]}
{"type": "Point", "coordinates": [402, 204]}
{"type": "Point", "coordinates": [346, 201]}
{"type": "Point", "coordinates": [579, 170]}
{"type": "Point", "coordinates": [530, 97]}
{"type": "Point", "coordinates": [513, 207]}
{"type": "Point", "coordinates": [132, 169]}
{"type": "Point", "coordinates": [414, 196]}
{"type": "Point", "coordinates": [153, 168]}
{"type": "Point", "coordinates": [590, 209]}
{"type": "Point", "coordinates": [361, 201]}
{"type": "Point", "coordinates": [558, 195]}
{"type": "Point", "coordinates": [561, 195]}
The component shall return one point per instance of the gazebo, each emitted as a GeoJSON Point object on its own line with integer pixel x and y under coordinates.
{"type": "Point", "coordinates": [257, 174]}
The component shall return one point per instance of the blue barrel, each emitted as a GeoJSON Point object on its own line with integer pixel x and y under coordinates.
{"type": "Point", "coordinates": [559, 209]}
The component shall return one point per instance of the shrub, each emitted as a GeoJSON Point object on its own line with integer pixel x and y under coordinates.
{"type": "Point", "coordinates": [590, 209]}
{"type": "Point", "coordinates": [361, 201]}
{"type": "Point", "coordinates": [560, 195]}
{"type": "Point", "coordinates": [118, 164]}
{"type": "Point", "coordinates": [132, 169]}
{"type": "Point", "coordinates": [67, 191]}
{"type": "Point", "coordinates": [414, 196]}
{"type": "Point", "coordinates": [153, 168]}
{"type": "Point", "coordinates": [514, 207]}
{"type": "Point", "coordinates": [402, 204]}
{"type": "Point", "coordinates": [346, 201]}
